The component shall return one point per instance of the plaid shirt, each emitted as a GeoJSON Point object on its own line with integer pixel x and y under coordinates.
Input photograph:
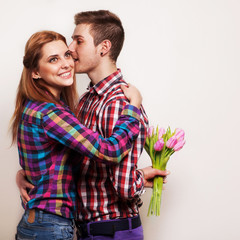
{"type": "Point", "coordinates": [104, 191]}
{"type": "Point", "coordinates": [46, 134]}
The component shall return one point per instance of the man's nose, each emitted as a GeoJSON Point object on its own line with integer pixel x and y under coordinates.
{"type": "Point", "coordinates": [71, 47]}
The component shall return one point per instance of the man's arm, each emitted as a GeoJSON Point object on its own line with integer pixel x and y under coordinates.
{"type": "Point", "coordinates": [148, 175]}
{"type": "Point", "coordinates": [127, 180]}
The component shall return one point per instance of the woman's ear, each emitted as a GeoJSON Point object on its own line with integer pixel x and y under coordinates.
{"type": "Point", "coordinates": [35, 75]}
{"type": "Point", "coordinates": [105, 47]}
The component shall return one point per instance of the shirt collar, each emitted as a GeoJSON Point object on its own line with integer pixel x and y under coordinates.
{"type": "Point", "coordinates": [103, 86]}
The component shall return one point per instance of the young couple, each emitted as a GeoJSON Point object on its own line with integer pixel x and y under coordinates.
{"type": "Point", "coordinates": [81, 166]}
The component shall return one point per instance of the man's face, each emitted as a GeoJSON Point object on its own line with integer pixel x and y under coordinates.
{"type": "Point", "coordinates": [84, 52]}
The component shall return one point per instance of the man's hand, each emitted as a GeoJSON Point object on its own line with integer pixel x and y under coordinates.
{"type": "Point", "coordinates": [149, 173]}
{"type": "Point", "coordinates": [23, 185]}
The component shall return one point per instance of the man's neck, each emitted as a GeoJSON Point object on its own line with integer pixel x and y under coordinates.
{"type": "Point", "coordinates": [103, 71]}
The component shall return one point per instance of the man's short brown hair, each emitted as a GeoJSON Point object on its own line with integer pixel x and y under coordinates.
{"type": "Point", "coordinates": [104, 25]}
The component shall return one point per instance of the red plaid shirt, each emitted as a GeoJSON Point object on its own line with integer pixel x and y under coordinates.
{"type": "Point", "coordinates": [107, 192]}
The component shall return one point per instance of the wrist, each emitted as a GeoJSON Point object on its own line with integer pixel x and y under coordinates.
{"type": "Point", "coordinates": [141, 172]}
{"type": "Point", "coordinates": [135, 104]}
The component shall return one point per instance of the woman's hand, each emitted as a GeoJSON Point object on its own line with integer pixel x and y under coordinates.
{"type": "Point", "coordinates": [132, 94]}
{"type": "Point", "coordinates": [23, 185]}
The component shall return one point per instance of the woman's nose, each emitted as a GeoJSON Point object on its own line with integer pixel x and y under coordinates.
{"type": "Point", "coordinates": [65, 63]}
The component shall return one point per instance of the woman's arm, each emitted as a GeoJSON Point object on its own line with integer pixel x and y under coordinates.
{"type": "Point", "coordinates": [62, 126]}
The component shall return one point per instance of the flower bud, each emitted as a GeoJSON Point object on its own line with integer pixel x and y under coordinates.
{"type": "Point", "coordinates": [150, 131]}
{"type": "Point", "coordinates": [171, 142]}
{"type": "Point", "coordinates": [158, 146]}
{"type": "Point", "coordinates": [179, 134]}
{"type": "Point", "coordinates": [161, 132]}
{"type": "Point", "coordinates": [179, 145]}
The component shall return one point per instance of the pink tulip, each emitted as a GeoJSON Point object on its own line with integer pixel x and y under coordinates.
{"type": "Point", "coordinates": [150, 131]}
{"type": "Point", "coordinates": [179, 134]}
{"type": "Point", "coordinates": [158, 146]}
{"type": "Point", "coordinates": [171, 142]}
{"type": "Point", "coordinates": [161, 132]}
{"type": "Point", "coordinates": [179, 145]}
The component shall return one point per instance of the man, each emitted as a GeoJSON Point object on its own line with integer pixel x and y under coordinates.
{"type": "Point", "coordinates": [109, 196]}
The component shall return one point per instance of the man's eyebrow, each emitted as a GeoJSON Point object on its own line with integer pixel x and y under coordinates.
{"type": "Point", "coordinates": [76, 36]}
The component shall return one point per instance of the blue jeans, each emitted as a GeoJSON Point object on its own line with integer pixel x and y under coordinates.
{"type": "Point", "coordinates": [45, 226]}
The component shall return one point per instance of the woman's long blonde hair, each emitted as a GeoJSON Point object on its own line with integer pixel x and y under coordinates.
{"type": "Point", "coordinates": [32, 89]}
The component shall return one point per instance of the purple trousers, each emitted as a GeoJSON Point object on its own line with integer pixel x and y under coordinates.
{"type": "Point", "coordinates": [130, 234]}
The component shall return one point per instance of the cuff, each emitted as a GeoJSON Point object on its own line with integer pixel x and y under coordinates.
{"type": "Point", "coordinates": [141, 172]}
{"type": "Point", "coordinates": [131, 111]}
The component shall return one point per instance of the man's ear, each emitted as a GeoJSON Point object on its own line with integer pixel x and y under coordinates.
{"type": "Point", "coordinates": [35, 75]}
{"type": "Point", "coordinates": [105, 47]}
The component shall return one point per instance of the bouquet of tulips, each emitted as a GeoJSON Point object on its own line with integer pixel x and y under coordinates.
{"type": "Point", "coordinates": [160, 145]}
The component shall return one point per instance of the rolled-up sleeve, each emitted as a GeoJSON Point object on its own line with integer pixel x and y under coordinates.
{"type": "Point", "coordinates": [62, 126]}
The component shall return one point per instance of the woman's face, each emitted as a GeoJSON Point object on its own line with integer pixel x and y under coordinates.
{"type": "Point", "coordinates": [56, 67]}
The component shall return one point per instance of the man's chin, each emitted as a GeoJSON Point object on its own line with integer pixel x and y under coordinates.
{"type": "Point", "coordinates": [77, 69]}
{"type": "Point", "coordinates": [80, 69]}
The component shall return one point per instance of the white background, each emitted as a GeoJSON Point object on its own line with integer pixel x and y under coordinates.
{"type": "Point", "coordinates": [184, 56]}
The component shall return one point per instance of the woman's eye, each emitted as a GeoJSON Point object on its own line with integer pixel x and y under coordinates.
{"type": "Point", "coordinates": [68, 54]}
{"type": "Point", "coordinates": [79, 42]}
{"type": "Point", "coordinates": [53, 60]}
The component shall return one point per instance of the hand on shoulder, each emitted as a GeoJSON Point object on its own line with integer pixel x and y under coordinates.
{"type": "Point", "coordinates": [132, 94]}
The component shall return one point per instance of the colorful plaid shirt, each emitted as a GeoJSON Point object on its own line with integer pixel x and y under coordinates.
{"type": "Point", "coordinates": [46, 135]}
{"type": "Point", "coordinates": [107, 192]}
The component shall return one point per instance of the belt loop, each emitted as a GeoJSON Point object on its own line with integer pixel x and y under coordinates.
{"type": "Point", "coordinates": [40, 216]}
{"type": "Point", "coordinates": [130, 224]}
{"type": "Point", "coordinates": [89, 230]}
{"type": "Point", "coordinates": [73, 223]}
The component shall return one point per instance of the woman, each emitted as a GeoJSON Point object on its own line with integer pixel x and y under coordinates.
{"type": "Point", "coordinates": [46, 130]}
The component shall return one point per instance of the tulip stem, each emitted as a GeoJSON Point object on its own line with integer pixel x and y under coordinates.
{"type": "Point", "coordinates": [155, 202]}
{"type": "Point", "coordinates": [159, 161]}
